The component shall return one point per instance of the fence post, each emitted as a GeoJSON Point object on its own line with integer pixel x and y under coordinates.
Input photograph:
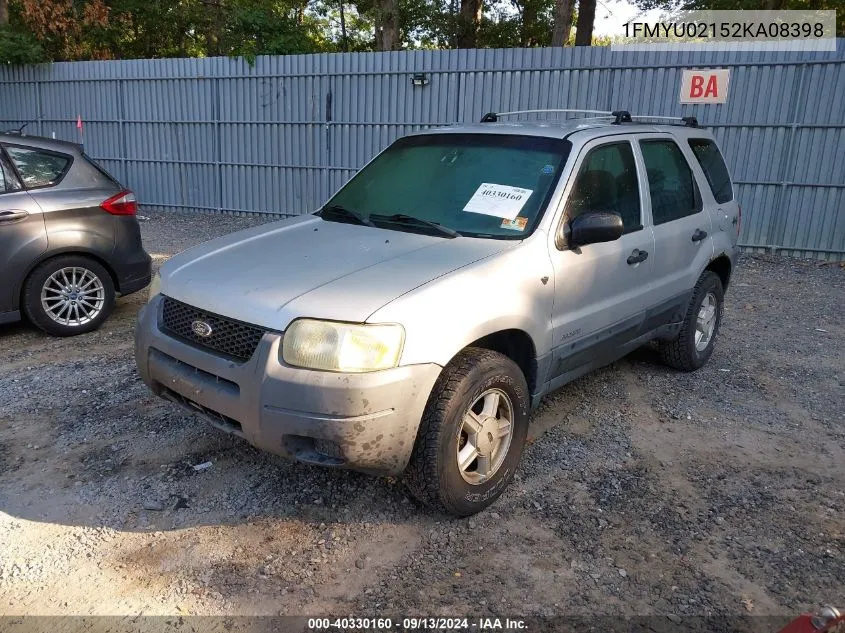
{"type": "Point", "coordinates": [218, 165]}
{"type": "Point", "coordinates": [121, 118]}
{"type": "Point", "coordinates": [40, 105]}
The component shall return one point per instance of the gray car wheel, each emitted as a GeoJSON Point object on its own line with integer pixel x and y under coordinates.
{"type": "Point", "coordinates": [68, 295]}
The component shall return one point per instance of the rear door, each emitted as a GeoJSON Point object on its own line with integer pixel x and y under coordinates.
{"type": "Point", "coordinates": [680, 224]}
{"type": "Point", "coordinates": [600, 288]}
{"type": "Point", "coordinates": [23, 237]}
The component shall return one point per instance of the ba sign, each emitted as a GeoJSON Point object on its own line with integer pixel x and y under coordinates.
{"type": "Point", "coordinates": [705, 86]}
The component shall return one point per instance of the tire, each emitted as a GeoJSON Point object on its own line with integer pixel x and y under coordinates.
{"type": "Point", "coordinates": [481, 378]}
{"type": "Point", "coordinates": [684, 352]}
{"type": "Point", "coordinates": [94, 282]}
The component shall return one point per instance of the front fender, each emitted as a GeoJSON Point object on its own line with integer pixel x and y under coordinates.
{"type": "Point", "coordinates": [501, 293]}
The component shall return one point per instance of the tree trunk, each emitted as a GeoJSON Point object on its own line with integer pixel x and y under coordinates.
{"type": "Point", "coordinates": [387, 27]}
{"type": "Point", "coordinates": [468, 22]}
{"type": "Point", "coordinates": [529, 21]}
{"type": "Point", "coordinates": [344, 43]}
{"type": "Point", "coordinates": [586, 19]}
{"type": "Point", "coordinates": [4, 11]}
{"type": "Point", "coordinates": [563, 22]}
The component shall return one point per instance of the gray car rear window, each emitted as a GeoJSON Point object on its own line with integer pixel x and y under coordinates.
{"type": "Point", "coordinates": [38, 168]}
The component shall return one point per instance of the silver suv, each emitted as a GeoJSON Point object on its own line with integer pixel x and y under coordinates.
{"type": "Point", "coordinates": [409, 326]}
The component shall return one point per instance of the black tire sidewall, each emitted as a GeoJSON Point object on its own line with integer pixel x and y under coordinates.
{"type": "Point", "coordinates": [709, 283]}
{"type": "Point", "coordinates": [31, 299]}
{"type": "Point", "coordinates": [463, 498]}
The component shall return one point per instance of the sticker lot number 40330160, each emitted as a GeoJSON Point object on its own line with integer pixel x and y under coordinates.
{"type": "Point", "coordinates": [501, 201]}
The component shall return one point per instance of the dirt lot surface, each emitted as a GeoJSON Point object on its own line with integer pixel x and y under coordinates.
{"type": "Point", "coordinates": [643, 490]}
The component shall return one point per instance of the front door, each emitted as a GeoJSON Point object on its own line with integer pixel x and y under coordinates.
{"type": "Point", "coordinates": [23, 237]}
{"type": "Point", "coordinates": [600, 288]}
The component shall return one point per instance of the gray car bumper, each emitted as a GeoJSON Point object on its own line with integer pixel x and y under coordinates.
{"type": "Point", "coordinates": [366, 421]}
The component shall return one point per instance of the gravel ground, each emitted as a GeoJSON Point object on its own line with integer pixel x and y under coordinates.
{"type": "Point", "coordinates": [643, 490]}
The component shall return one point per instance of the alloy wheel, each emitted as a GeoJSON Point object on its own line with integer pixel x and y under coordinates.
{"type": "Point", "coordinates": [73, 296]}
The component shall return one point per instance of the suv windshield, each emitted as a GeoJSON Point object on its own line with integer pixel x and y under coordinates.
{"type": "Point", "coordinates": [480, 185]}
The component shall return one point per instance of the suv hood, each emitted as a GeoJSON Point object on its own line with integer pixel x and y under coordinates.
{"type": "Point", "coordinates": [305, 266]}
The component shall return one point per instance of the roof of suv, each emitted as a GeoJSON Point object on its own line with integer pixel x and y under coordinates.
{"type": "Point", "coordinates": [41, 142]}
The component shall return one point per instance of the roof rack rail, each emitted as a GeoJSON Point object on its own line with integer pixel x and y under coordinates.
{"type": "Point", "coordinates": [689, 121]}
{"type": "Point", "coordinates": [492, 117]}
{"type": "Point", "coordinates": [618, 116]}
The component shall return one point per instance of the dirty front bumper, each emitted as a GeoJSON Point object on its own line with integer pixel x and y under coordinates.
{"type": "Point", "coordinates": [365, 421]}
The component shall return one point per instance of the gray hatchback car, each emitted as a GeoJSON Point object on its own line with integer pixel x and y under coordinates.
{"type": "Point", "coordinates": [69, 238]}
{"type": "Point", "coordinates": [409, 326]}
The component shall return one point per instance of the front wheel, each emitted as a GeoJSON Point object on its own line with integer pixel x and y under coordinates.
{"type": "Point", "coordinates": [697, 338]}
{"type": "Point", "coordinates": [68, 295]}
{"type": "Point", "coordinates": [471, 435]}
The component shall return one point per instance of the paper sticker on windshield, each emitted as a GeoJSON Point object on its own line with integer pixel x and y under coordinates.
{"type": "Point", "coordinates": [501, 201]}
{"type": "Point", "coordinates": [517, 224]}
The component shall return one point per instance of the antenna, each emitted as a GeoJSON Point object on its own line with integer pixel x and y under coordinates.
{"type": "Point", "coordinates": [18, 131]}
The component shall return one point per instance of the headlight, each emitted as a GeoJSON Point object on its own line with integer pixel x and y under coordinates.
{"type": "Point", "coordinates": [155, 286]}
{"type": "Point", "coordinates": [334, 346]}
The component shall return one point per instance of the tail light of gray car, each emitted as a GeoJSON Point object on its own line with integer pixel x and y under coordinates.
{"type": "Point", "coordinates": [123, 203]}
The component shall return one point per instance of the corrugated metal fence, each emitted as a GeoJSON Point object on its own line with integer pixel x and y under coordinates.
{"type": "Point", "coordinates": [279, 137]}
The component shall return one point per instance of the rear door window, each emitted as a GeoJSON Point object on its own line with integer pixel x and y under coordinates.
{"type": "Point", "coordinates": [39, 168]}
{"type": "Point", "coordinates": [670, 181]}
{"type": "Point", "coordinates": [708, 156]}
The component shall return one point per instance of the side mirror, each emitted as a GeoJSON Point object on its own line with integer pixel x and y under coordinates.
{"type": "Point", "coordinates": [593, 227]}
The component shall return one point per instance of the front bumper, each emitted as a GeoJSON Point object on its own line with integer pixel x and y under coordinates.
{"type": "Point", "coordinates": [366, 421]}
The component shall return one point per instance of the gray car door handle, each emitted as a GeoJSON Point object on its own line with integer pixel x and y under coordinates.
{"type": "Point", "coordinates": [9, 215]}
{"type": "Point", "coordinates": [637, 256]}
{"type": "Point", "coordinates": [698, 235]}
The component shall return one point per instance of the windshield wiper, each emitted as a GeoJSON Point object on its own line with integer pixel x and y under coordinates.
{"type": "Point", "coordinates": [347, 213]}
{"type": "Point", "coordinates": [401, 218]}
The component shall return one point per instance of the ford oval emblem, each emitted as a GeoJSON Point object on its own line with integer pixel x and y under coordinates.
{"type": "Point", "coordinates": [201, 328]}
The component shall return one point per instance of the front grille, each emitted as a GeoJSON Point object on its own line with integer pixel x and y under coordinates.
{"type": "Point", "coordinates": [227, 337]}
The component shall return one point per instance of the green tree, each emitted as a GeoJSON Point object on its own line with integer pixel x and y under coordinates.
{"type": "Point", "coordinates": [19, 47]}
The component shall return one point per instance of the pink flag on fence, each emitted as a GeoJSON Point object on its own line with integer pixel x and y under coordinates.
{"type": "Point", "coordinates": [79, 121]}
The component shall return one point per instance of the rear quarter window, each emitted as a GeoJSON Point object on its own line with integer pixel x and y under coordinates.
{"type": "Point", "coordinates": [100, 169]}
{"type": "Point", "coordinates": [39, 168]}
{"type": "Point", "coordinates": [713, 165]}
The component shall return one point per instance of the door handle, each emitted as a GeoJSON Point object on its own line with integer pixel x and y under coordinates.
{"type": "Point", "coordinates": [637, 256]}
{"type": "Point", "coordinates": [698, 235]}
{"type": "Point", "coordinates": [10, 215]}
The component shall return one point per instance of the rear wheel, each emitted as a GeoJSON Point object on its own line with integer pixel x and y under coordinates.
{"type": "Point", "coordinates": [471, 435]}
{"type": "Point", "coordinates": [697, 338]}
{"type": "Point", "coordinates": [68, 295]}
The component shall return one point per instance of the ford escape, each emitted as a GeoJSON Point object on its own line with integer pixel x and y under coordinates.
{"type": "Point", "coordinates": [409, 325]}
